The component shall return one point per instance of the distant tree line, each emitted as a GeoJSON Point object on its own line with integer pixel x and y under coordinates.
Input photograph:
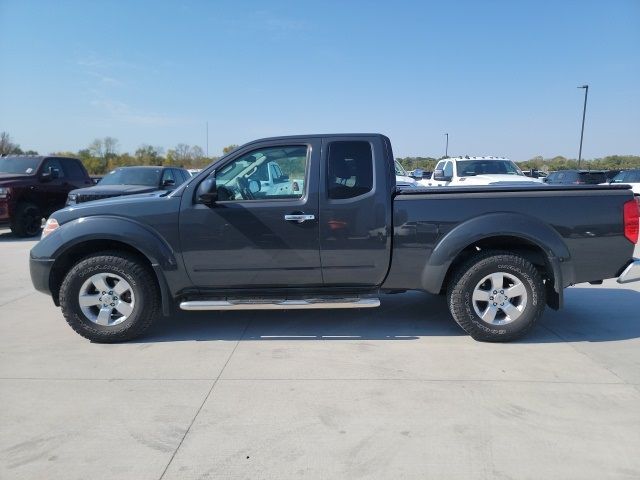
{"type": "Point", "coordinates": [102, 156]}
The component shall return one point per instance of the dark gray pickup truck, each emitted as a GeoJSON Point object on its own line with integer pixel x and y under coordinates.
{"type": "Point", "coordinates": [332, 232]}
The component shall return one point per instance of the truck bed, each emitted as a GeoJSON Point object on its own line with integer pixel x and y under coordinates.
{"type": "Point", "coordinates": [578, 228]}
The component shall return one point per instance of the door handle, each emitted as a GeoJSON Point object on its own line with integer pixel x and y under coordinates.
{"type": "Point", "coordinates": [299, 217]}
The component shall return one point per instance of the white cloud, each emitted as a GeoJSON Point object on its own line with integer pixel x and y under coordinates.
{"type": "Point", "coordinates": [124, 113]}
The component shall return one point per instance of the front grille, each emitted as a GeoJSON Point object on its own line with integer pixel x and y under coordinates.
{"type": "Point", "coordinates": [89, 197]}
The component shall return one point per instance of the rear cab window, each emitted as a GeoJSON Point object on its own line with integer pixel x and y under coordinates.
{"type": "Point", "coordinates": [73, 169]}
{"type": "Point", "coordinates": [349, 169]}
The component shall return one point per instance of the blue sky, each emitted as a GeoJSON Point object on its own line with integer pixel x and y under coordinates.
{"type": "Point", "coordinates": [499, 76]}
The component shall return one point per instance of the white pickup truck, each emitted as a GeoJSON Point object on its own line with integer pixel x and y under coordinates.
{"type": "Point", "coordinates": [628, 177]}
{"type": "Point", "coordinates": [462, 171]}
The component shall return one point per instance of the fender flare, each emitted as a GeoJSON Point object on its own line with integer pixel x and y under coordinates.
{"type": "Point", "coordinates": [124, 230]}
{"type": "Point", "coordinates": [500, 224]}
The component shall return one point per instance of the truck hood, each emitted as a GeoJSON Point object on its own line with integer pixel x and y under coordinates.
{"type": "Point", "coordinates": [498, 180]}
{"type": "Point", "coordinates": [107, 206]}
{"type": "Point", "coordinates": [7, 179]}
{"type": "Point", "coordinates": [114, 190]}
{"type": "Point", "coordinates": [402, 180]}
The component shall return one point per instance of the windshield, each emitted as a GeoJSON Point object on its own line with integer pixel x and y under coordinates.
{"type": "Point", "coordinates": [632, 176]}
{"type": "Point", "coordinates": [19, 165]}
{"type": "Point", "coordinates": [467, 168]}
{"type": "Point", "coordinates": [400, 170]}
{"type": "Point", "coordinates": [132, 176]}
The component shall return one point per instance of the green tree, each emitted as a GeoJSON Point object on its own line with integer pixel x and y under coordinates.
{"type": "Point", "coordinates": [7, 147]}
{"type": "Point", "coordinates": [229, 148]}
{"type": "Point", "coordinates": [148, 155]}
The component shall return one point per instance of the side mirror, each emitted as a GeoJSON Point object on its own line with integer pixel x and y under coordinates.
{"type": "Point", "coordinates": [50, 174]}
{"type": "Point", "coordinates": [439, 176]}
{"type": "Point", "coordinates": [254, 186]}
{"type": "Point", "coordinates": [207, 193]}
{"type": "Point", "coordinates": [169, 182]}
{"type": "Point", "coordinates": [417, 173]}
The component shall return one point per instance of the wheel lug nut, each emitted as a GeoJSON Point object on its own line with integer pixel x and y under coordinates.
{"type": "Point", "coordinates": [490, 298]}
{"type": "Point", "coordinates": [495, 291]}
{"type": "Point", "coordinates": [113, 304]}
{"type": "Point", "coordinates": [104, 293]}
{"type": "Point", "coordinates": [501, 291]}
{"type": "Point", "coordinates": [494, 304]}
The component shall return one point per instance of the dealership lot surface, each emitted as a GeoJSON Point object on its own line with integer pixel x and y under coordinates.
{"type": "Point", "coordinates": [397, 392]}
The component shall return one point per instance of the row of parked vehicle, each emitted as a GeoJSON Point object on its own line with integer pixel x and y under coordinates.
{"type": "Point", "coordinates": [467, 171]}
{"type": "Point", "coordinates": [32, 187]}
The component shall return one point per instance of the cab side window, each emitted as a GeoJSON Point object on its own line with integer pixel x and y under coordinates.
{"type": "Point", "coordinates": [167, 175]}
{"type": "Point", "coordinates": [448, 169]}
{"type": "Point", "coordinates": [55, 164]}
{"type": "Point", "coordinates": [350, 169]}
{"type": "Point", "coordinates": [247, 177]}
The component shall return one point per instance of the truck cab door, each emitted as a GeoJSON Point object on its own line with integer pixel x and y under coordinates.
{"type": "Point", "coordinates": [53, 186]}
{"type": "Point", "coordinates": [357, 178]}
{"type": "Point", "coordinates": [442, 174]}
{"type": "Point", "coordinates": [249, 238]}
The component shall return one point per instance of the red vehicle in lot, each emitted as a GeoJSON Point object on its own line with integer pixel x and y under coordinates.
{"type": "Point", "coordinates": [32, 187]}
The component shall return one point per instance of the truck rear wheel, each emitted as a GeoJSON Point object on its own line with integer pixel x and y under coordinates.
{"type": "Point", "coordinates": [496, 296]}
{"type": "Point", "coordinates": [27, 220]}
{"type": "Point", "coordinates": [109, 297]}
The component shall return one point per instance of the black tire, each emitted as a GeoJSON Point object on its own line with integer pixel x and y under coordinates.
{"type": "Point", "coordinates": [463, 307]}
{"type": "Point", "coordinates": [27, 220]}
{"type": "Point", "coordinates": [143, 286]}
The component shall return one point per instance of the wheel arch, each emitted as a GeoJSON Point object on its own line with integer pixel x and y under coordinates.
{"type": "Point", "coordinates": [79, 239]}
{"type": "Point", "coordinates": [516, 233]}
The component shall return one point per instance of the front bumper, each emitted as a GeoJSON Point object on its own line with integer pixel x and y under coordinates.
{"type": "Point", "coordinates": [631, 273]}
{"type": "Point", "coordinates": [40, 270]}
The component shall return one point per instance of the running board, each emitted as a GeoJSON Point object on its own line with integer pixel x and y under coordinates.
{"type": "Point", "coordinates": [280, 304]}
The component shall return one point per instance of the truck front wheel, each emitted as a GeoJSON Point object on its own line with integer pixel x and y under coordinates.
{"type": "Point", "coordinates": [27, 220]}
{"type": "Point", "coordinates": [496, 296]}
{"type": "Point", "coordinates": [109, 297]}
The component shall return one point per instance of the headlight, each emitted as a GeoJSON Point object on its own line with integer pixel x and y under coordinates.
{"type": "Point", "coordinates": [5, 192]}
{"type": "Point", "coordinates": [72, 198]}
{"type": "Point", "coordinates": [49, 227]}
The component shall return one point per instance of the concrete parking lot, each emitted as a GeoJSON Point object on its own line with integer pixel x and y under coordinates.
{"type": "Point", "coordinates": [398, 392]}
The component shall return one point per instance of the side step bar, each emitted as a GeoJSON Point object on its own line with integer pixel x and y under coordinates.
{"type": "Point", "coordinates": [280, 304]}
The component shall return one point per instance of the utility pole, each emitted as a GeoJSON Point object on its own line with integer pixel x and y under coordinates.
{"type": "Point", "coordinates": [584, 112]}
{"type": "Point", "coordinates": [207, 151]}
{"type": "Point", "coordinates": [446, 148]}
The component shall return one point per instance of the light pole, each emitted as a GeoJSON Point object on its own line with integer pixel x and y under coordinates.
{"type": "Point", "coordinates": [446, 148]}
{"type": "Point", "coordinates": [584, 112]}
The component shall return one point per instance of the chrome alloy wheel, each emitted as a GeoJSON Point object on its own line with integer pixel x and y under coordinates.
{"type": "Point", "coordinates": [106, 299]}
{"type": "Point", "coordinates": [499, 298]}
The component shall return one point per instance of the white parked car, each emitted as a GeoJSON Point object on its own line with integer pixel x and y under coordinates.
{"type": "Point", "coordinates": [402, 177]}
{"type": "Point", "coordinates": [628, 177]}
{"type": "Point", "coordinates": [466, 171]}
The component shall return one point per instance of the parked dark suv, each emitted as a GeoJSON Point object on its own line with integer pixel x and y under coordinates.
{"type": "Point", "coordinates": [32, 187]}
{"type": "Point", "coordinates": [129, 181]}
{"type": "Point", "coordinates": [577, 177]}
